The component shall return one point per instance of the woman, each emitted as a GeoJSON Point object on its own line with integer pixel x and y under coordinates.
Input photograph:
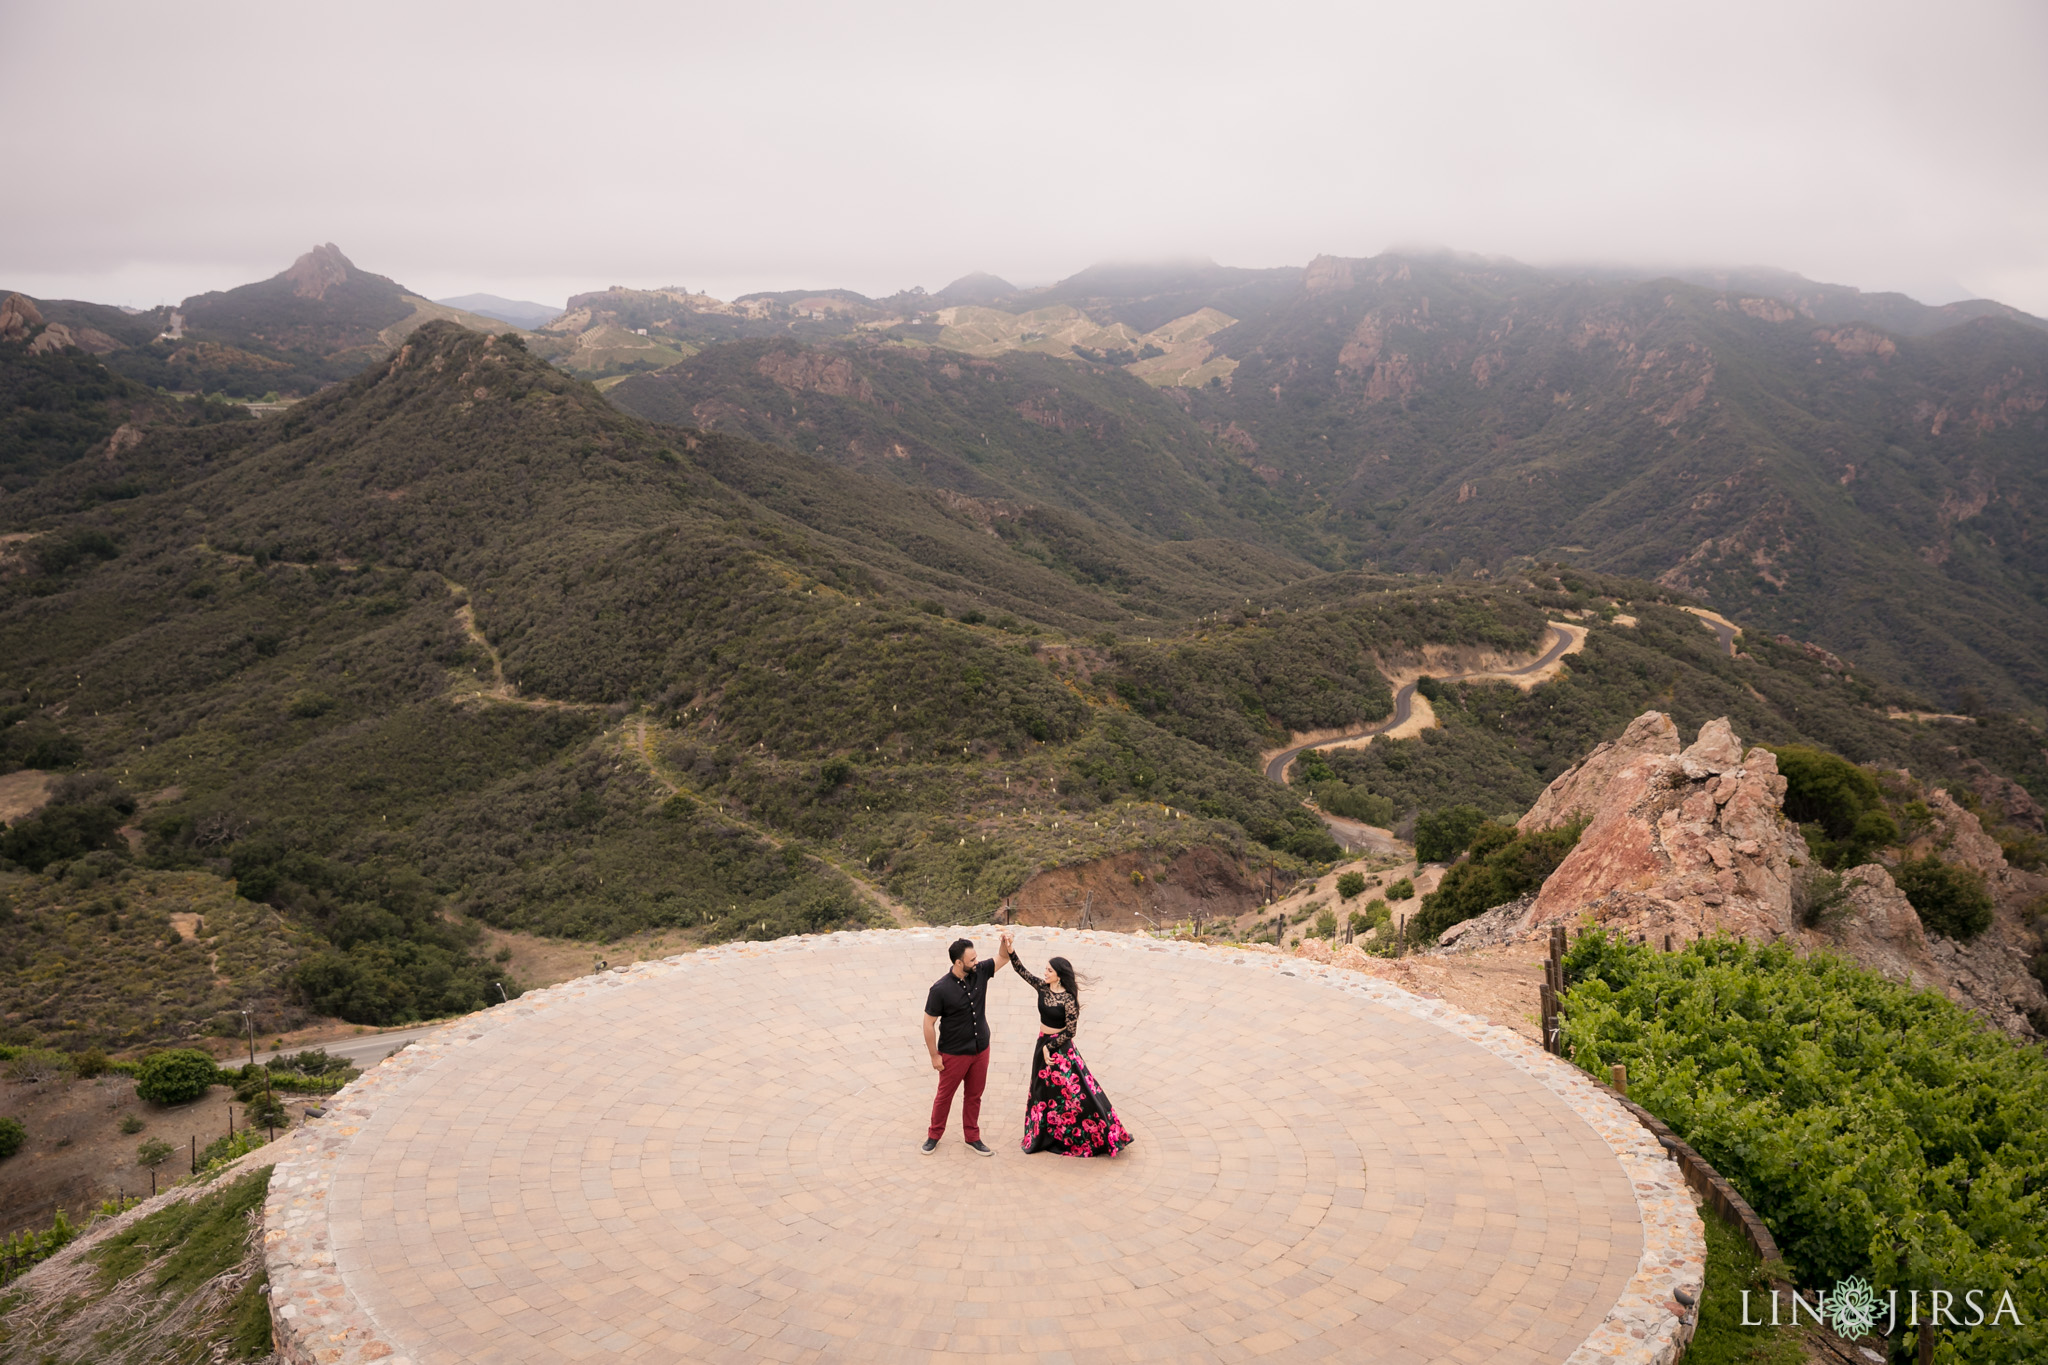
{"type": "Point", "coordinates": [1067, 1111]}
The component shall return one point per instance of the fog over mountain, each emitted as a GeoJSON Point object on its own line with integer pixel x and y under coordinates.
{"type": "Point", "coordinates": [779, 146]}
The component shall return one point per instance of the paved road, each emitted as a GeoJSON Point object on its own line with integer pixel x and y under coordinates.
{"type": "Point", "coordinates": [365, 1051]}
{"type": "Point", "coordinates": [1404, 705]}
{"type": "Point", "coordinates": [1725, 634]}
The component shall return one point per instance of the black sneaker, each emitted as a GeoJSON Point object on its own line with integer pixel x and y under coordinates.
{"type": "Point", "coordinates": [981, 1147]}
{"type": "Point", "coordinates": [930, 1145]}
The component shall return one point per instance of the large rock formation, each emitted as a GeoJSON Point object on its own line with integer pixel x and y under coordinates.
{"type": "Point", "coordinates": [1692, 842]}
{"type": "Point", "coordinates": [1679, 842]}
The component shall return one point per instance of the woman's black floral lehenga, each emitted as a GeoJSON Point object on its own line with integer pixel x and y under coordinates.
{"type": "Point", "coordinates": [1067, 1111]}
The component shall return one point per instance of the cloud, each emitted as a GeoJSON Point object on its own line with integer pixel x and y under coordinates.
{"type": "Point", "coordinates": [538, 150]}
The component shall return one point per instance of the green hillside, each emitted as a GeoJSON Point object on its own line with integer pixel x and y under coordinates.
{"type": "Point", "coordinates": [1782, 454]}
{"type": "Point", "coordinates": [458, 643]}
{"type": "Point", "coordinates": [1020, 429]}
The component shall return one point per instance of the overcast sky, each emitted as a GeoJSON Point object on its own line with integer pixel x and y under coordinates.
{"type": "Point", "coordinates": [154, 151]}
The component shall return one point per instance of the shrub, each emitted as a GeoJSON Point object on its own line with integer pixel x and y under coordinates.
{"type": "Point", "coordinates": [1878, 1130]}
{"type": "Point", "coordinates": [89, 1063]}
{"type": "Point", "coordinates": [12, 1135]}
{"type": "Point", "coordinates": [1325, 925]}
{"type": "Point", "coordinates": [1818, 897]}
{"type": "Point", "coordinates": [154, 1152]}
{"type": "Point", "coordinates": [1838, 806]}
{"type": "Point", "coordinates": [1442, 835]}
{"type": "Point", "coordinates": [311, 1062]}
{"type": "Point", "coordinates": [265, 1110]}
{"type": "Point", "coordinates": [175, 1076]}
{"type": "Point", "coordinates": [1351, 885]}
{"type": "Point", "coordinates": [1951, 901]}
{"type": "Point", "coordinates": [131, 1125]}
{"type": "Point", "coordinates": [1401, 890]}
{"type": "Point", "coordinates": [1503, 865]}
{"type": "Point", "coordinates": [34, 1065]}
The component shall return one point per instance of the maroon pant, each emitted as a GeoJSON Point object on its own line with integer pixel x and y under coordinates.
{"type": "Point", "coordinates": [952, 1071]}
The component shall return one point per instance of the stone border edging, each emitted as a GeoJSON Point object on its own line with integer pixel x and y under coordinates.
{"type": "Point", "coordinates": [316, 1321]}
{"type": "Point", "coordinates": [1701, 1175]}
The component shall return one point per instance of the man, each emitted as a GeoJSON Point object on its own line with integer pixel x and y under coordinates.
{"type": "Point", "coordinates": [956, 1035]}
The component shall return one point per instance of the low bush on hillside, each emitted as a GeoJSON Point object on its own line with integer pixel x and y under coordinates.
{"type": "Point", "coordinates": [12, 1136]}
{"type": "Point", "coordinates": [1878, 1130]}
{"type": "Point", "coordinates": [1951, 900]}
{"type": "Point", "coordinates": [1837, 805]}
{"type": "Point", "coordinates": [1350, 885]}
{"type": "Point", "coordinates": [175, 1076]}
{"type": "Point", "coordinates": [1503, 865]}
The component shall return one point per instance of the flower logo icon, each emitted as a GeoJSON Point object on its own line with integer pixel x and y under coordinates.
{"type": "Point", "coordinates": [1852, 1307]}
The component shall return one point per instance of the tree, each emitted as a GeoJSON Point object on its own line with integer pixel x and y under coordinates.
{"type": "Point", "coordinates": [1350, 885]}
{"type": "Point", "coordinates": [1442, 835]}
{"type": "Point", "coordinates": [175, 1076]}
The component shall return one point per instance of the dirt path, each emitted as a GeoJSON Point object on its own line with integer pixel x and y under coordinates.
{"type": "Point", "coordinates": [642, 745]}
{"type": "Point", "coordinates": [498, 689]}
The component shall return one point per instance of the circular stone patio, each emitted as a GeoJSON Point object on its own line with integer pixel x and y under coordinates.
{"type": "Point", "coordinates": [716, 1158]}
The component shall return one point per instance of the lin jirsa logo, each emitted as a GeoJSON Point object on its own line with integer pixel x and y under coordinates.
{"type": "Point", "coordinates": [1852, 1309]}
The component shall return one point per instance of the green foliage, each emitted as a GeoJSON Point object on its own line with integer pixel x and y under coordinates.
{"type": "Point", "coordinates": [175, 1076]}
{"type": "Point", "coordinates": [1839, 805]}
{"type": "Point", "coordinates": [1354, 803]}
{"type": "Point", "coordinates": [153, 1152]}
{"type": "Point", "coordinates": [1325, 925]}
{"type": "Point", "coordinates": [1818, 896]}
{"type": "Point", "coordinates": [1503, 866]}
{"type": "Point", "coordinates": [1443, 834]}
{"type": "Point", "coordinates": [27, 1247]}
{"type": "Point", "coordinates": [1401, 890]}
{"type": "Point", "coordinates": [1351, 884]}
{"type": "Point", "coordinates": [12, 1136]}
{"type": "Point", "coordinates": [66, 829]}
{"type": "Point", "coordinates": [1375, 914]}
{"type": "Point", "coordinates": [99, 966]}
{"type": "Point", "coordinates": [131, 1125]}
{"type": "Point", "coordinates": [1878, 1130]}
{"type": "Point", "coordinates": [89, 1063]}
{"type": "Point", "coordinates": [1950, 899]}
{"type": "Point", "coordinates": [1719, 1337]}
{"type": "Point", "coordinates": [38, 1064]}
{"type": "Point", "coordinates": [231, 1147]}
{"type": "Point", "coordinates": [187, 1244]}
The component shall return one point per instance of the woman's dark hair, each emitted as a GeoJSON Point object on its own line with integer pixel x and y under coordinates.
{"type": "Point", "coordinates": [1064, 970]}
{"type": "Point", "coordinates": [960, 945]}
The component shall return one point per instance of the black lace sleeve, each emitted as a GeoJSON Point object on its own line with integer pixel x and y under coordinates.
{"type": "Point", "coordinates": [1036, 984]}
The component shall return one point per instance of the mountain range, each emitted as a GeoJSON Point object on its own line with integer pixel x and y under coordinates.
{"type": "Point", "coordinates": [831, 620]}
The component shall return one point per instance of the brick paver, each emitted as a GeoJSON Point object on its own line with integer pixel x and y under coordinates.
{"type": "Point", "coordinates": [716, 1158]}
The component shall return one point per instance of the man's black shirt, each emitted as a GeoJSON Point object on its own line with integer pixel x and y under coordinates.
{"type": "Point", "coordinates": [958, 1006]}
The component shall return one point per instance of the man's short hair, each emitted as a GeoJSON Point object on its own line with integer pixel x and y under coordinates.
{"type": "Point", "coordinates": [960, 945]}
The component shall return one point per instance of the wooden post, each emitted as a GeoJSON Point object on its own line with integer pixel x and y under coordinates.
{"type": "Point", "coordinates": [195, 1154]}
{"type": "Point", "coordinates": [1620, 1074]}
{"type": "Point", "coordinates": [1927, 1345]}
{"type": "Point", "coordinates": [1548, 1013]}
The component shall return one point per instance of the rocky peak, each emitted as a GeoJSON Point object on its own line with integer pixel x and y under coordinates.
{"type": "Point", "coordinates": [18, 317]}
{"type": "Point", "coordinates": [1694, 841]}
{"type": "Point", "coordinates": [1681, 843]}
{"type": "Point", "coordinates": [318, 271]}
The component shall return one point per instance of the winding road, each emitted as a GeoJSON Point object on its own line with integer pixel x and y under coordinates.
{"type": "Point", "coordinates": [1350, 833]}
{"type": "Point", "coordinates": [1562, 641]}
